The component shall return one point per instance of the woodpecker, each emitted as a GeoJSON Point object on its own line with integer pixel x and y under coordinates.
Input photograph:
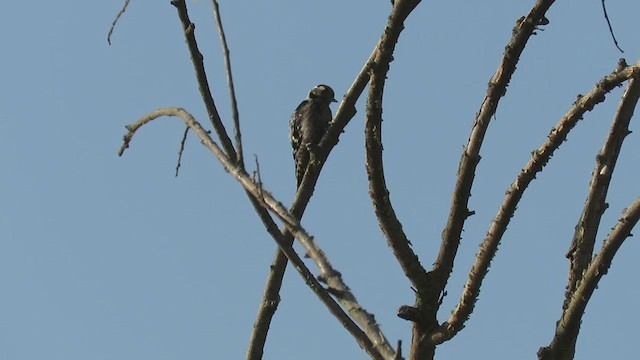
{"type": "Point", "coordinates": [308, 124]}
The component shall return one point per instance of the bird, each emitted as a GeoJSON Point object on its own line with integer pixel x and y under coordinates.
{"type": "Point", "coordinates": [308, 124]}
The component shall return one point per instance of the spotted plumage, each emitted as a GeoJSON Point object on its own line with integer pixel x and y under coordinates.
{"type": "Point", "coordinates": [308, 124]}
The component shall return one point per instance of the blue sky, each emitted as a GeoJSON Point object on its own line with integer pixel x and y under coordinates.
{"type": "Point", "coordinates": [104, 257]}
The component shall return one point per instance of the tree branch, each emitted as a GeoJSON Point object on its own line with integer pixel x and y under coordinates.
{"type": "Point", "coordinates": [560, 347]}
{"type": "Point", "coordinates": [595, 205]}
{"type": "Point", "coordinates": [606, 17]}
{"type": "Point", "coordinates": [115, 21]}
{"type": "Point", "coordinates": [525, 27]}
{"type": "Point", "coordinates": [232, 91]}
{"type": "Point", "coordinates": [267, 202]}
{"type": "Point", "coordinates": [539, 159]}
{"type": "Point", "coordinates": [270, 299]}
{"type": "Point", "coordinates": [387, 219]}
{"type": "Point", "coordinates": [346, 111]}
{"type": "Point", "coordinates": [201, 76]}
{"type": "Point", "coordinates": [587, 228]}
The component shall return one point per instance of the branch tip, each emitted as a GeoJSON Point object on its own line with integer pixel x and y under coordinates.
{"type": "Point", "coordinates": [115, 21]}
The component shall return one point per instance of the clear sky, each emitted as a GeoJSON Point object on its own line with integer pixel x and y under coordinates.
{"type": "Point", "coordinates": [104, 257]}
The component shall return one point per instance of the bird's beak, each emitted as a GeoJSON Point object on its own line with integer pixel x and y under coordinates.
{"type": "Point", "coordinates": [334, 100]}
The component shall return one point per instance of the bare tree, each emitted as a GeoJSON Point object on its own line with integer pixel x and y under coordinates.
{"type": "Point", "coordinates": [429, 284]}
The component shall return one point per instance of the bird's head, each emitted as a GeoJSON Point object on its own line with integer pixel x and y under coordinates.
{"type": "Point", "coordinates": [322, 93]}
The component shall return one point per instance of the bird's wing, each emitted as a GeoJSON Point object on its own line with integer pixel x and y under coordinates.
{"type": "Point", "coordinates": [295, 126]}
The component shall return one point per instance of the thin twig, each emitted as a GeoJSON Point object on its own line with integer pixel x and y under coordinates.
{"type": "Point", "coordinates": [606, 17]}
{"type": "Point", "coordinates": [201, 76]}
{"type": "Point", "coordinates": [539, 159]}
{"type": "Point", "coordinates": [274, 206]}
{"type": "Point", "coordinates": [258, 177]}
{"type": "Point", "coordinates": [232, 91]}
{"type": "Point", "coordinates": [182, 143]}
{"type": "Point", "coordinates": [115, 21]}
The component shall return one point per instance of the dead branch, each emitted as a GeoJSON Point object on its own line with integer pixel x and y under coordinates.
{"type": "Point", "coordinates": [539, 159]}
{"type": "Point", "coordinates": [497, 88]}
{"type": "Point", "coordinates": [201, 76]}
{"type": "Point", "coordinates": [115, 21]}
{"type": "Point", "coordinates": [376, 68]}
{"type": "Point", "coordinates": [560, 347]}
{"type": "Point", "coordinates": [346, 111]}
{"type": "Point", "coordinates": [387, 219]}
{"type": "Point", "coordinates": [606, 17]}
{"type": "Point", "coordinates": [268, 202]}
{"type": "Point", "coordinates": [232, 92]}
{"type": "Point", "coordinates": [183, 141]}
{"type": "Point", "coordinates": [270, 298]}
{"type": "Point", "coordinates": [587, 228]}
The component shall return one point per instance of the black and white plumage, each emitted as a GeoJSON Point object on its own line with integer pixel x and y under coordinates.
{"type": "Point", "coordinates": [308, 124]}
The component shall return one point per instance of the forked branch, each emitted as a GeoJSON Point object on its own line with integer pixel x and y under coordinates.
{"type": "Point", "coordinates": [561, 346]}
{"type": "Point", "coordinates": [344, 114]}
{"type": "Point", "coordinates": [268, 202]}
{"type": "Point", "coordinates": [201, 76]}
{"type": "Point", "coordinates": [459, 211]}
{"type": "Point", "coordinates": [302, 198]}
{"type": "Point", "coordinates": [584, 238]}
{"type": "Point", "coordinates": [539, 159]}
{"type": "Point", "coordinates": [587, 228]}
